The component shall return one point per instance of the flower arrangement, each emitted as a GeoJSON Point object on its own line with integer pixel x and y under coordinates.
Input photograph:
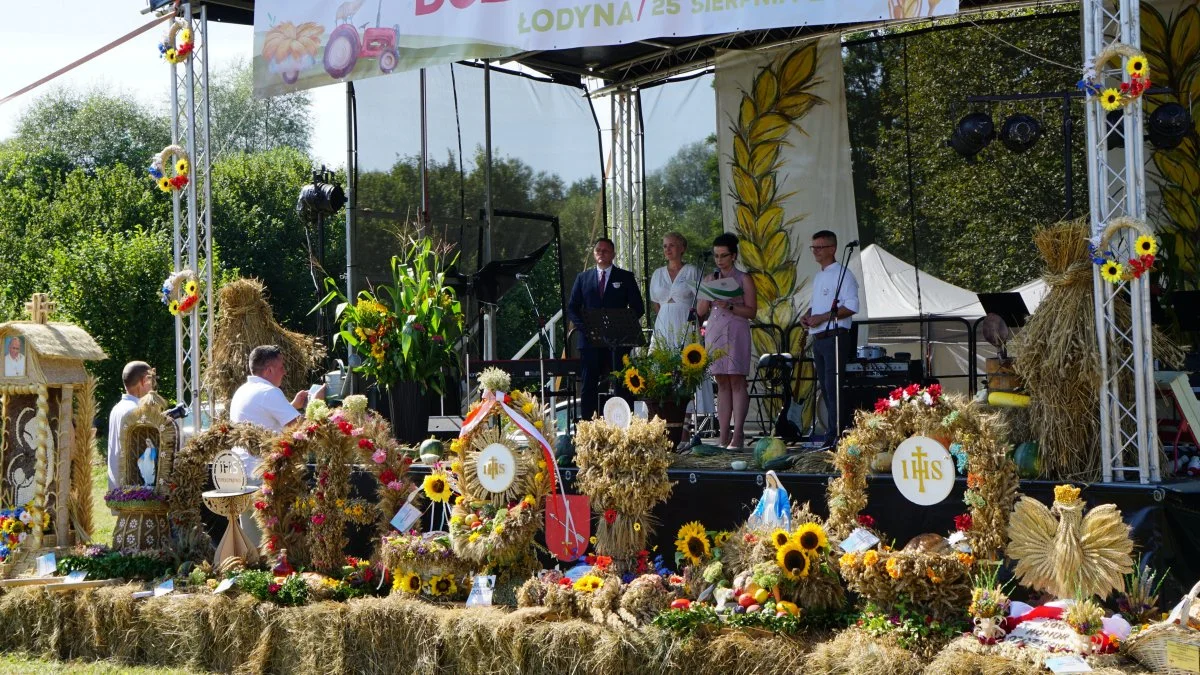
{"type": "Point", "coordinates": [426, 555]}
{"type": "Point", "coordinates": [289, 591]}
{"type": "Point", "coordinates": [173, 52]}
{"type": "Point", "coordinates": [666, 373]}
{"type": "Point", "coordinates": [180, 292]}
{"type": "Point", "coordinates": [1115, 98]}
{"type": "Point", "coordinates": [102, 562]}
{"type": "Point", "coordinates": [406, 331]}
{"type": "Point", "coordinates": [310, 522]}
{"type": "Point", "coordinates": [181, 165]}
{"type": "Point", "coordinates": [611, 460]}
{"type": "Point", "coordinates": [15, 526]}
{"type": "Point", "coordinates": [134, 496]}
{"type": "Point", "coordinates": [913, 394]}
{"type": "Point", "coordinates": [1145, 250]}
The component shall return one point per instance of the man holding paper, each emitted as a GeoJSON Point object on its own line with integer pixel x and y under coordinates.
{"type": "Point", "coordinates": [828, 320]}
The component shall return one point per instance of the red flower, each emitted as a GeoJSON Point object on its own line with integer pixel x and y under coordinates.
{"type": "Point", "coordinates": [866, 521]}
{"type": "Point", "coordinates": [602, 562]}
{"type": "Point", "coordinates": [438, 339]}
{"type": "Point", "coordinates": [273, 544]}
{"type": "Point", "coordinates": [344, 426]}
{"type": "Point", "coordinates": [590, 559]}
{"type": "Point", "coordinates": [407, 461]}
{"type": "Point", "coordinates": [285, 448]}
{"type": "Point", "coordinates": [368, 575]}
{"type": "Point", "coordinates": [912, 389]}
{"type": "Point", "coordinates": [274, 588]}
{"type": "Point", "coordinates": [366, 444]}
{"type": "Point", "coordinates": [318, 519]}
{"type": "Point", "coordinates": [963, 521]}
{"type": "Point", "coordinates": [935, 391]}
{"type": "Point", "coordinates": [610, 515]}
{"type": "Point", "coordinates": [564, 582]}
{"type": "Point", "coordinates": [260, 505]}
{"type": "Point", "coordinates": [386, 476]}
{"type": "Point", "coordinates": [897, 393]}
{"type": "Point", "coordinates": [268, 476]}
{"type": "Point", "coordinates": [882, 405]}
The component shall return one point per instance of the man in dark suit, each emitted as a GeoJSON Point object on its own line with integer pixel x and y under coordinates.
{"type": "Point", "coordinates": [604, 287]}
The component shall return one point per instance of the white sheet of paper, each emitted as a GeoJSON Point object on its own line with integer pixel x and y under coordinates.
{"type": "Point", "coordinates": [1067, 664]}
{"type": "Point", "coordinates": [225, 585]}
{"type": "Point", "coordinates": [481, 590]}
{"type": "Point", "coordinates": [46, 565]}
{"type": "Point", "coordinates": [405, 517]}
{"type": "Point", "coordinates": [859, 540]}
{"type": "Point", "coordinates": [138, 595]}
{"type": "Point", "coordinates": [314, 390]}
{"type": "Point", "coordinates": [164, 588]}
{"type": "Point", "coordinates": [726, 288]}
{"type": "Point", "coordinates": [76, 576]}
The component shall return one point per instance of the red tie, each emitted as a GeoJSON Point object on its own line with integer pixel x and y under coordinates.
{"type": "Point", "coordinates": [602, 273]}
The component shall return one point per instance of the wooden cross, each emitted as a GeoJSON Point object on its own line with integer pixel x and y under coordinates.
{"type": "Point", "coordinates": [40, 307]}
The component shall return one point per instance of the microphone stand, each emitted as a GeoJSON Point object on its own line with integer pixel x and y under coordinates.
{"type": "Point", "coordinates": [830, 324]}
{"type": "Point", "coordinates": [537, 316]}
{"type": "Point", "coordinates": [694, 319]}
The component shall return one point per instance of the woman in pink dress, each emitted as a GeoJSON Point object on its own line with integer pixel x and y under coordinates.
{"type": "Point", "coordinates": [728, 329]}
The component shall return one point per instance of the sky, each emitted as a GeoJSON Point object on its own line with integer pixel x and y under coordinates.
{"type": "Point", "coordinates": [548, 126]}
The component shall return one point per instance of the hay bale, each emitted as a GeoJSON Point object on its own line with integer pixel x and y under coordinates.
{"type": "Point", "coordinates": [244, 321]}
{"type": "Point", "coordinates": [966, 656]}
{"type": "Point", "coordinates": [856, 652]}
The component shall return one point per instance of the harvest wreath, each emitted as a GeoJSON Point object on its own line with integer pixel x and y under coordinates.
{"type": "Point", "coordinates": [927, 572]}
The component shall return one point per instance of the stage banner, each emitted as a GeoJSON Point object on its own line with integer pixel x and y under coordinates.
{"type": "Point", "coordinates": [785, 172]}
{"type": "Point", "coordinates": [300, 44]}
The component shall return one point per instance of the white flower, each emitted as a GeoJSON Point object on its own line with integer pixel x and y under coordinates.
{"type": "Point", "coordinates": [317, 410]}
{"type": "Point", "coordinates": [356, 403]}
{"type": "Point", "coordinates": [926, 398]}
{"type": "Point", "coordinates": [494, 379]}
{"type": "Point", "coordinates": [893, 403]}
{"type": "Point", "coordinates": [26, 518]}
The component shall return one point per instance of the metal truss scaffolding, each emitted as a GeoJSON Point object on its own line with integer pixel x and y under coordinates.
{"type": "Point", "coordinates": [625, 187]}
{"type": "Point", "coordinates": [1116, 186]}
{"type": "Point", "coordinates": [193, 216]}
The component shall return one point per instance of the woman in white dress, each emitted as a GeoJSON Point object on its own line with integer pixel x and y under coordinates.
{"type": "Point", "coordinates": [672, 295]}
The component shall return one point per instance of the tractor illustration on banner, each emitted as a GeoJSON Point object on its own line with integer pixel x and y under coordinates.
{"type": "Point", "coordinates": [346, 45]}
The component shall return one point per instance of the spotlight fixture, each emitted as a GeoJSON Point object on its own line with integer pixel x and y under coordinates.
{"type": "Point", "coordinates": [321, 197]}
{"type": "Point", "coordinates": [1020, 132]}
{"type": "Point", "coordinates": [972, 134]}
{"type": "Point", "coordinates": [1114, 123]}
{"type": "Point", "coordinates": [1168, 125]}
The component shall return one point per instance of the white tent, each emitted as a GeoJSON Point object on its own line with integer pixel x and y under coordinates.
{"type": "Point", "coordinates": [1032, 293]}
{"type": "Point", "coordinates": [889, 290]}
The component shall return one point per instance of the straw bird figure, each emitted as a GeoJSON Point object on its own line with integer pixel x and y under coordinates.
{"type": "Point", "coordinates": [1063, 551]}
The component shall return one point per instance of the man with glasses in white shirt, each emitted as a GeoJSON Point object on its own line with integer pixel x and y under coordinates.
{"type": "Point", "coordinates": [828, 320]}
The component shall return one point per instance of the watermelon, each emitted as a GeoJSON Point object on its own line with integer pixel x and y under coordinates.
{"type": "Point", "coordinates": [430, 446]}
{"type": "Point", "coordinates": [768, 448]}
{"type": "Point", "coordinates": [564, 450]}
{"type": "Point", "coordinates": [1028, 460]}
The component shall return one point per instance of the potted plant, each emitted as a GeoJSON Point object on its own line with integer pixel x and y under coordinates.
{"type": "Point", "coordinates": [405, 332]}
{"type": "Point", "coordinates": [666, 378]}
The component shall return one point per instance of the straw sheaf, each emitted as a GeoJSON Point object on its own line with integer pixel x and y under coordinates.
{"type": "Point", "coordinates": [624, 474]}
{"type": "Point", "coordinates": [80, 503]}
{"type": "Point", "coordinates": [245, 320]}
{"type": "Point", "coordinates": [1058, 358]}
{"type": "Point", "coordinates": [58, 340]}
{"type": "Point", "coordinates": [982, 436]}
{"type": "Point", "coordinates": [966, 656]}
{"type": "Point", "coordinates": [940, 584]}
{"type": "Point", "coordinates": [857, 652]}
{"type": "Point", "coordinates": [780, 97]}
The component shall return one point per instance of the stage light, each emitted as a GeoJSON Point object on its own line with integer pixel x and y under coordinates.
{"type": "Point", "coordinates": [1115, 126]}
{"type": "Point", "coordinates": [972, 134]}
{"type": "Point", "coordinates": [1168, 125]}
{"type": "Point", "coordinates": [1020, 132]}
{"type": "Point", "coordinates": [321, 197]}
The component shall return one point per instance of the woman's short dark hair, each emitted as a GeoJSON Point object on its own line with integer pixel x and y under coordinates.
{"type": "Point", "coordinates": [727, 239]}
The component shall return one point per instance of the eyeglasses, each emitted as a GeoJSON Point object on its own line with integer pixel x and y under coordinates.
{"type": "Point", "coordinates": [722, 256]}
{"type": "Point", "coordinates": [818, 248]}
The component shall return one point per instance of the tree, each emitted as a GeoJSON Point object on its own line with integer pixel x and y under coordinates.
{"type": "Point", "coordinates": [243, 123]}
{"type": "Point", "coordinates": [684, 196]}
{"type": "Point", "coordinates": [93, 128]}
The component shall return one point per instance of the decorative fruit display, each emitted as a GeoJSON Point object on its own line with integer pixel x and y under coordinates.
{"type": "Point", "coordinates": [431, 446]}
{"type": "Point", "coordinates": [768, 449]}
{"type": "Point", "coordinates": [681, 603]}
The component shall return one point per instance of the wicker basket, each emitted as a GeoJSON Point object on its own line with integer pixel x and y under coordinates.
{"type": "Point", "coordinates": [1149, 647]}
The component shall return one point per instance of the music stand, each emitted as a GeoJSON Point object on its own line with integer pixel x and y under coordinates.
{"type": "Point", "coordinates": [1008, 306]}
{"type": "Point", "coordinates": [499, 276]}
{"type": "Point", "coordinates": [614, 328]}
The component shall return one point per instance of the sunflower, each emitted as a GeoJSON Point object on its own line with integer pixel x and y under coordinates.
{"type": "Point", "coordinates": [1111, 99]}
{"type": "Point", "coordinates": [793, 561]}
{"type": "Point", "coordinates": [442, 585]}
{"type": "Point", "coordinates": [720, 538]}
{"type": "Point", "coordinates": [408, 582]}
{"type": "Point", "coordinates": [164, 184]}
{"type": "Point", "coordinates": [170, 55]}
{"type": "Point", "coordinates": [780, 537]}
{"type": "Point", "coordinates": [588, 583]}
{"type": "Point", "coordinates": [634, 382]}
{"type": "Point", "coordinates": [436, 487]}
{"type": "Point", "coordinates": [185, 35]}
{"type": "Point", "coordinates": [692, 542]}
{"type": "Point", "coordinates": [1146, 245]}
{"type": "Point", "coordinates": [1112, 271]}
{"type": "Point", "coordinates": [1137, 66]}
{"type": "Point", "coordinates": [694, 356]}
{"type": "Point", "coordinates": [181, 166]}
{"type": "Point", "coordinates": [811, 537]}
{"type": "Point", "coordinates": [190, 287]}
{"type": "Point", "coordinates": [173, 307]}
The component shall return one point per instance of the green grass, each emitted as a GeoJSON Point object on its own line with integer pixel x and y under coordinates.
{"type": "Point", "coordinates": [17, 664]}
{"type": "Point", "coordinates": [103, 520]}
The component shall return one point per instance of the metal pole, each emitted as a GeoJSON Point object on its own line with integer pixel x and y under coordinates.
{"type": "Point", "coordinates": [489, 324]}
{"type": "Point", "coordinates": [351, 203]}
{"type": "Point", "coordinates": [206, 166]}
{"type": "Point", "coordinates": [424, 218]}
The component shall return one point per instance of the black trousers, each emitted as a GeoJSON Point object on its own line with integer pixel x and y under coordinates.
{"type": "Point", "coordinates": [829, 357]}
{"type": "Point", "coordinates": [597, 364]}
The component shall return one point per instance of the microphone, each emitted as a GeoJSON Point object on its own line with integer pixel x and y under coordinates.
{"type": "Point", "coordinates": [853, 244]}
{"type": "Point", "coordinates": [521, 276]}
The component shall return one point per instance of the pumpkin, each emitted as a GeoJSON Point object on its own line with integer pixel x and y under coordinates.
{"type": "Point", "coordinates": [1028, 460]}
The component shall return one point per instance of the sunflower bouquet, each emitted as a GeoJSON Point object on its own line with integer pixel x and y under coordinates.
{"type": "Point", "coordinates": [665, 373]}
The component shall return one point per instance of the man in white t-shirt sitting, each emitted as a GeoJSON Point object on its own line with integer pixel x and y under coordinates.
{"type": "Point", "coordinates": [139, 379]}
{"type": "Point", "coordinates": [828, 321]}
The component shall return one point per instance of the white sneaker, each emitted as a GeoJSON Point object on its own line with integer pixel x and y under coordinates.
{"type": "Point", "coordinates": [1193, 467]}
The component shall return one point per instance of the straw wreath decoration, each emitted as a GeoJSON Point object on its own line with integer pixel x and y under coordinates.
{"type": "Point", "coordinates": [180, 292]}
{"type": "Point", "coordinates": [1115, 98]}
{"type": "Point", "coordinates": [182, 166]}
{"type": "Point", "coordinates": [179, 52]}
{"type": "Point", "coordinates": [1145, 248]}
